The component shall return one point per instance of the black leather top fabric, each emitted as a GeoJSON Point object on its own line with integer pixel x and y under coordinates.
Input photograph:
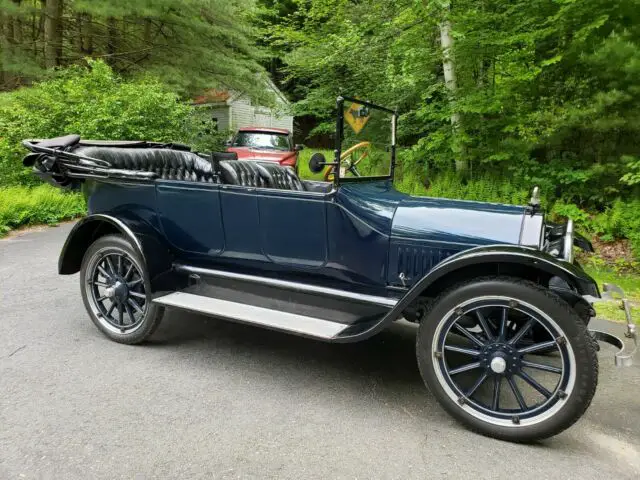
{"type": "Point", "coordinates": [168, 164]}
{"type": "Point", "coordinates": [60, 142]}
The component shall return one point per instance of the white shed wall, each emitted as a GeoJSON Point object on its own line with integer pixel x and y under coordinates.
{"type": "Point", "coordinates": [223, 114]}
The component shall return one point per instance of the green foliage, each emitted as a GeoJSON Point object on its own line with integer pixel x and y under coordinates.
{"type": "Point", "coordinates": [486, 188]}
{"type": "Point", "coordinates": [93, 102]}
{"type": "Point", "coordinates": [190, 45]}
{"type": "Point", "coordinates": [547, 91]}
{"type": "Point", "coordinates": [21, 206]}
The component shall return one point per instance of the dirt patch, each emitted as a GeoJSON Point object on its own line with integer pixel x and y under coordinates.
{"type": "Point", "coordinates": [614, 251]}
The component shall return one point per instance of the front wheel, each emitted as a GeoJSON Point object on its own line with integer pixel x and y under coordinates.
{"type": "Point", "coordinates": [116, 291]}
{"type": "Point", "coordinates": [474, 355]}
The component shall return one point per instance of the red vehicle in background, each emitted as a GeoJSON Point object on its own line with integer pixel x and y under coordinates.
{"type": "Point", "coordinates": [262, 144]}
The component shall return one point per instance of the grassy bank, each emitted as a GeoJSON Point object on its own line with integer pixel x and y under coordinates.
{"type": "Point", "coordinates": [44, 204]}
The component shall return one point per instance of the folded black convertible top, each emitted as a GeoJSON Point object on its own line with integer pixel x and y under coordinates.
{"type": "Point", "coordinates": [75, 140]}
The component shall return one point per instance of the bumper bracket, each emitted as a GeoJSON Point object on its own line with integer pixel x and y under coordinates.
{"type": "Point", "coordinates": [624, 357]}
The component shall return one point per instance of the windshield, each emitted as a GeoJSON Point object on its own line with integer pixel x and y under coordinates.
{"type": "Point", "coordinates": [367, 140]}
{"type": "Point", "coordinates": [270, 141]}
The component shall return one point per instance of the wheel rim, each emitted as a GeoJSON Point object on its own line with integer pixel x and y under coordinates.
{"type": "Point", "coordinates": [116, 292]}
{"type": "Point", "coordinates": [487, 363]}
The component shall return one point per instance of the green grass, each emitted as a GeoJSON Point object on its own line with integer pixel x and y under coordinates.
{"type": "Point", "coordinates": [303, 163]}
{"type": "Point", "coordinates": [44, 204]}
{"type": "Point", "coordinates": [629, 282]}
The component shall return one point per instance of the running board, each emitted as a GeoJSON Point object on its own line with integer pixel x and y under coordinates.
{"type": "Point", "coordinates": [251, 314]}
{"type": "Point", "coordinates": [288, 285]}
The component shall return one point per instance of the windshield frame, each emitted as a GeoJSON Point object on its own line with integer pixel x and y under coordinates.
{"type": "Point", "coordinates": [339, 137]}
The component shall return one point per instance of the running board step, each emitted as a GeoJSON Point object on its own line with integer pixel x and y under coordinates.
{"type": "Point", "coordinates": [251, 314]}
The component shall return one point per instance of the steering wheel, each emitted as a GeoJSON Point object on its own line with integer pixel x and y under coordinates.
{"type": "Point", "coordinates": [347, 162]}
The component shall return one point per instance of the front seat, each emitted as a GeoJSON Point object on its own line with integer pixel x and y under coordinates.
{"type": "Point", "coordinates": [282, 178]}
{"type": "Point", "coordinates": [248, 174]}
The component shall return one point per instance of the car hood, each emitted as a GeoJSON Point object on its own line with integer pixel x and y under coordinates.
{"type": "Point", "coordinates": [246, 153]}
{"type": "Point", "coordinates": [436, 220]}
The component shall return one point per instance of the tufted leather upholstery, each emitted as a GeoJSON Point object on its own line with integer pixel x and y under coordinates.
{"type": "Point", "coordinates": [283, 178]}
{"type": "Point", "coordinates": [248, 174]}
{"type": "Point", "coordinates": [168, 164]}
{"type": "Point", "coordinates": [184, 165]}
{"type": "Point", "coordinates": [265, 175]}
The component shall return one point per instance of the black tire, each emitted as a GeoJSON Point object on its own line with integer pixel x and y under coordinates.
{"type": "Point", "coordinates": [576, 354]}
{"type": "Point", "coordinates": [141, 323]}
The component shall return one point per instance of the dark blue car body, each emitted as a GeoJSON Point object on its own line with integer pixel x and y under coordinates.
{"type": "Point", "coordinates": [363, 234]}
{"type": "Point", "coordinates": [361, 237]}
{"type": "Point", "coordinates": [494, 288]}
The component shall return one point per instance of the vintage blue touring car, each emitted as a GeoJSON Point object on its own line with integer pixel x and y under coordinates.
{"type": "Point", "coordinates": [501, 304]}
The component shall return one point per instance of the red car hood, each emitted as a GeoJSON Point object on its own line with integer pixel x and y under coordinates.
{"type": "Point", "coordinates": [245, 153]}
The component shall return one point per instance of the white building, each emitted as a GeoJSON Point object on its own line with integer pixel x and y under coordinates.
{"type": "Point", "coordinates": [230, 111]}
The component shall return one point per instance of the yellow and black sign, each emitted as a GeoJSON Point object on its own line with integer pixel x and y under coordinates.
{"type": "Point", "coordinates": [357, 116]}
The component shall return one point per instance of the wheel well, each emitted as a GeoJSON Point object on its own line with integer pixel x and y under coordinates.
{"type": "Point", "coordinates": [71, 259]}
{"type": "Point", "coordinates": [483, 269]}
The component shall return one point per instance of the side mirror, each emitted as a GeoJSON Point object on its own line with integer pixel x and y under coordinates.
{"type": "Point", "coordinates": [298, 148]}
{"type": "Point", "coordinates": [317, 162]}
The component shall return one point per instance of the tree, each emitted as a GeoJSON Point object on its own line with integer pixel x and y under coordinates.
{"type": "Point", "coordinates": [53, 29]}
{"type": "Point", "coordinates": [191, 44]}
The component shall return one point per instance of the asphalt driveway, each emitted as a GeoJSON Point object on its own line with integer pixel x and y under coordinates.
{"type": "Point", "coordinates": [212, 399]}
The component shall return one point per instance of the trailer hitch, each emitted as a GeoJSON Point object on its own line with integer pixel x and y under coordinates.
{"type": "Point", "coordinates": [623, 358]}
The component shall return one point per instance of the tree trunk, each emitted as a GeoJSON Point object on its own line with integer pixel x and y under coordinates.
{"type": "Point", "coordinates": [112, 36]}
{"type": "Point", "coordinates": [87, 34]}
{"type": "Point", "coordinates": [449, 68]}
{"type": "Point", "coordinates": [147, 33]}
{"type": "Point", "coordinates": [17, 26]}
{"type": "Point", "coordinates": [77, 40]}
{"type": "Point", "coordinates": [53, 33]}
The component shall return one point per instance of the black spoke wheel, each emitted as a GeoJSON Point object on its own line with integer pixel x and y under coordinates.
{"type": "Point", "coordinates": [477, 353]}
{"type": "Point", "coordinates": [116, 290]}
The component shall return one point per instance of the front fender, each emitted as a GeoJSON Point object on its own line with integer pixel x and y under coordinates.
{"type": "Point", "coordinates": [492, 256]}
{"type": "Point", "coordinates": [155, 253]}
{"type": "Point", "coordinates": [509, 255]}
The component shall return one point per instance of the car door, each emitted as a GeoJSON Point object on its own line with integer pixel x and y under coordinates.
{"type": "Point", "coordinates": [190, 216]}
{"type": "Point", "coordinates": [293, 227]}
{"type": "Point", "coordinates": [239, 206]}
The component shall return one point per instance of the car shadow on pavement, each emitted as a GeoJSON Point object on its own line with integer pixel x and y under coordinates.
{"type": "Point", "coordinates": [380, 371]}
{"type": "Point", "coordinates": [386, 360]}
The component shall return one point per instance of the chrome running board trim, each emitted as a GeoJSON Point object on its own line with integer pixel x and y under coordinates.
{"type": "Point", "coordinates": [287, 285]}
{"type": "Point", "coordinates": [251, 314]}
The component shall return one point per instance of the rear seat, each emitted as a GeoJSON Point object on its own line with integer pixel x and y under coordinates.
{"type": "Point", "coordinates": [168, 164]}
{"type": "Point", "coordinates": [183, 165]}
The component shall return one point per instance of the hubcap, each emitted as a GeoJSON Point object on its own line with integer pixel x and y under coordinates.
{"type": "Point", "coordinates": [115, 288]}
{"type": "Point", "coordinates": [489, 362]}
{"type": "Point", "coordinates": [498, 364]}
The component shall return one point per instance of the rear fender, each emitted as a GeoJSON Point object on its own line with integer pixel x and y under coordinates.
{"type": "Point", "coordinates": [575, 282]}
{"type": "Point", "coordinates": [154, 252]}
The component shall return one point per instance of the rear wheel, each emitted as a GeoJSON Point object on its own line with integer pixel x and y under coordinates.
{"type": "Point", "coordinates": [474, 355]}
{"type": "Point", "coordinates": [116, 291]}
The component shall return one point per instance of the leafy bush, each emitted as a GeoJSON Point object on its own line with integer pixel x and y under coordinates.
{"type": "Point", "coordinates": [93, 102]}
{"type": "Point", "coordinates": [21, 205]}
